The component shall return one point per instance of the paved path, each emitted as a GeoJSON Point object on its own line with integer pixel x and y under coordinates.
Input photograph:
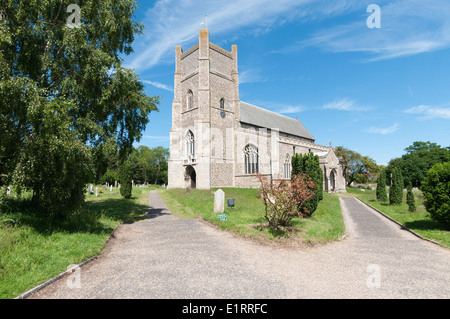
{"type": "Point", "coordinates": [167, 257]}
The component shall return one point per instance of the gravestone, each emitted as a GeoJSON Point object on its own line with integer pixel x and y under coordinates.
{"type": "Point", "coordinates": [219, 201]}
{"type": "Point", "coordinates": [91, 189]}
{"type": "Point", "coordinates": [110, 188]}
{"type": "Point", "coordinates": [96, 191]}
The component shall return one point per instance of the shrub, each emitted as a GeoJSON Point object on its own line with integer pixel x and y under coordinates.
{"type": "Point", "coordinates": [381, 187]}
{"type": "Point", "coordinates": [410, 198]}
{"type": "Point", "coordinates": [309, 164]}
{"type": "Point", "coordinates": [283, 199]}
{"type": "Point", "coordinates": [396, 189]}
{"type": "Point", "coordinates": [126, 175]}
{"type": "Point", "coordinates": [436, 191]}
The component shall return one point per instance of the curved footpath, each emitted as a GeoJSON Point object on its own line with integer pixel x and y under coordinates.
{"type": "Point", "coordinates": [167, 257]}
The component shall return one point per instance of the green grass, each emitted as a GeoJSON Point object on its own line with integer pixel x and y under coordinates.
{"type": "Point", "coordinates": [34, 249]}
{"type": "Point", "coordinates": [247, 217]}
{"type": "Point", "coordinates": [420, 221]}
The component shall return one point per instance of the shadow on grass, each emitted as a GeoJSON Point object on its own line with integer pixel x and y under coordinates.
{"type": "Point", "coordinates": [426, 225]}
{"type": "Point", "coordinates": [89, 218]}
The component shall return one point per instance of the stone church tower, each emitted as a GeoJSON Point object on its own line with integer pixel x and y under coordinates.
{"type": "Point", "coordinates": [217, 140]}
{"type": "Point", "coordinates": [204, 111]}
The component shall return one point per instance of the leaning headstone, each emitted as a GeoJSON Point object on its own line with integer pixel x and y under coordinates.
{"type": "Point", "coordinates": [219, 201]}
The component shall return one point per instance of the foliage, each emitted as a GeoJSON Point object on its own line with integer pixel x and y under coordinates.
{"type": "Point", "coordinates": [283, 200]}
{"type": "Point", "coordinates": [109, 177]}
{"type": "Point", "coordinates": [309, 165]}
{"type": "Point", "coordinates": [150, 164]}
{"type": "Point", "coordinates": [381, 187]}
{"type": "Point", "coordinates": [436, 190]}
{"type": "Point", "coordinates": [396, 189]}
{"type": "Point", "coordinates": [419, 158]}
{"type": "Point", "coordinates": [126, 179]}
{"type": "Point", "coordinates": [410, 198]}
{"type": "Point", "coordinates": [64, 94]}
{"type": "Point", "coordinates": [356, 167]}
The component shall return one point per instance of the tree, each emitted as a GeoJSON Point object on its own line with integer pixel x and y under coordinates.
{"type": "Point", "coordinates": [309, 164]}
{"type": "Point", "coordinates": [410, 198]}
{"type": "Point", "coordinates": [355, 166]}
{"type": "Point", "coordinates": [381, 187]}
{"type": "Point", "coordinates": [419, 158]}
{"type": "Point", "coordinates": [64, 94]}
{"type": "Point", "coordinates": [396, 189]}
{"type": "Point", "coordinates": [436, 190]}
{"type": "Point", "coordinates": [126, 179]}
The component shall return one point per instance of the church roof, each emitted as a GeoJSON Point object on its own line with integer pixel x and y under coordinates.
{"type": "Point", "coordinates": [258, 116]}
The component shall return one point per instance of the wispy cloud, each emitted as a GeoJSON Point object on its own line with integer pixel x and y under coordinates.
{"type": "Point", "coordinates": [430, 112]}
{"type": "Point", "coordinates": [290, 109]}
{"type": "Point", "coordinates": [176, 22]}
{"type": "Point", "coordinates": [385, 130]}
{"type": "Point", "coordinates": [250, 76]}
{"type": "Point", "coordinates": [344, 105]}
{"type": "Point", "coordinates": [408, 27]}
{"type": "Point", "coordinates": [159, 85]}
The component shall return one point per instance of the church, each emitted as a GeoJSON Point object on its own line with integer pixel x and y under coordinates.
{"type": "Point", "coordinates": [218, 141]}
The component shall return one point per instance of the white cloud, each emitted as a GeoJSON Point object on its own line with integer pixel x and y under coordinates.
{"type": "Point", "coordinates": [176, 22]}
{"type": "Point", "coordinates": [384, 131]}
{"type": "Point", "coordinates": [408, 27]}
{"type": "Point", "coordinates": [430, 112]}
{"type": "Point", "coordinates": [159, 85]}
{"type": "Point", "coordinates": [290, 109]}
{"type": "Point", "coordinates": [344, 105]}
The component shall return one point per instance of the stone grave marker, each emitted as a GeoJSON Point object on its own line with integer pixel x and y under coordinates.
{"type": "Point", "coordinates": [219, 201]}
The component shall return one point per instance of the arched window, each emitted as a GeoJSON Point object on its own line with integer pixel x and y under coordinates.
{"type": "Point", "coordinates": [222, 103]}
{"type": "Point", "coordinates": [190, 144]}
{"type": "Point", "coordinates": [190, 100]}
{"type": "Point", "coordinates": [251, 159]}
{"type": "Point", "coordinates": [287, 167]}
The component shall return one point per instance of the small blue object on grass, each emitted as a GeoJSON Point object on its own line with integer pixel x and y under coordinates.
{"type": "Point", "coordinates": [230, 202]}
{"type": "Point", "coordinates": [222, 217]}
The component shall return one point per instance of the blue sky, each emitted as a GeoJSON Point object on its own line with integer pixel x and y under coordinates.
{"type": "Point", "coordinates": [372, 90]}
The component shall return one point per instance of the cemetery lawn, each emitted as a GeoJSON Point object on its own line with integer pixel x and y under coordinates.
{"type": "Point", "coordinates": [419, 222]}
{"type": "Point", "coordinates": [34, 249]}
{"type": "Point", "coordinates": [247, 217]}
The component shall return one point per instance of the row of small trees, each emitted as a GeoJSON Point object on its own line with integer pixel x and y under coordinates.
{"type": "Point", "coordinates": [435, 187]}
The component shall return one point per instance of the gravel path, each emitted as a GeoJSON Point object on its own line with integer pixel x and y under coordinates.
{"type": "Point", "coordinates": [167, 257]}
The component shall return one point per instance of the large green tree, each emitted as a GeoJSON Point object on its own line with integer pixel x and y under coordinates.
{"type": "Point", "coordinates": [355, 166]}
{"type": "Point", "coordinates": [64, 93]}
{"type": "Point", "coordinates": [419, 158]}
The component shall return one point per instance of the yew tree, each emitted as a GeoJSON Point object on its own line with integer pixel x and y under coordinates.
{"type": "Point", "coordinates": [64, 93]}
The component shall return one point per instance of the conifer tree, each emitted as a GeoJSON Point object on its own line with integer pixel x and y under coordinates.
{"type": "Point", "coordinates": [381, 187]}
{"type": "Point", "coordinates": [396, 189]}
{"type": "Point", "coordinates": [410, 198]}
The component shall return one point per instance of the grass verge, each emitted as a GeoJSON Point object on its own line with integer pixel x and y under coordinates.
{"type": "Point", "coordinates": [247, 217]}
{"type": "Point", "coordinates": [34, 249]}
{"type": "Point", "coordinates": [419, 222]}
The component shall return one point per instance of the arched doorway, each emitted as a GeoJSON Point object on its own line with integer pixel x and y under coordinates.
{"type": "Point", "coordinates": [190, 177]}
{"type": "Point", "coordinates": [333, 180]}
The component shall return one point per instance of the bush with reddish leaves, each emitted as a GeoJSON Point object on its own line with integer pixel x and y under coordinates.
{"type": "Point", "coordinates": [284, 199]}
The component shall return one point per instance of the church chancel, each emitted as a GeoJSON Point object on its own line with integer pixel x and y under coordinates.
{"type": "Point", "coordinates": [217, 140]}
